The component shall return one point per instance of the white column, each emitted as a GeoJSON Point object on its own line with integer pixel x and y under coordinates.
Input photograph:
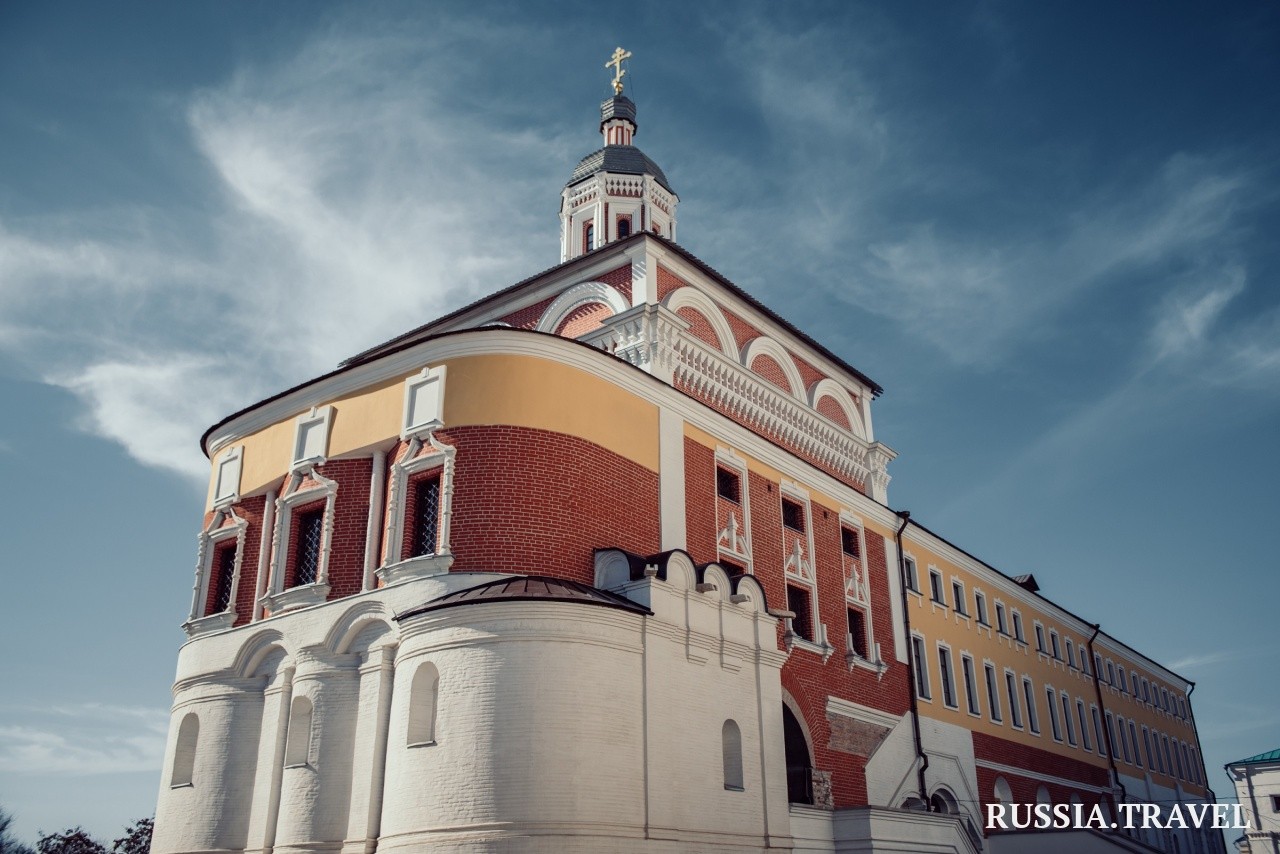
{"type": "Point", "coordinates": [368, 768]}
{"type": "Point", "coordinates": [671, 479]}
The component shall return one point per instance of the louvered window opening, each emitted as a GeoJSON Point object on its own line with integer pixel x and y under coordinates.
{"type": "Point", "coordinates": [226, 567]}
{"type": "Point", "coordinates": [310, 529]}
{"type": "Point", "coordinates": [426, 517]}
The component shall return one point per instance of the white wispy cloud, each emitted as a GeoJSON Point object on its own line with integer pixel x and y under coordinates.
{"type": "Point", "coordinates": [91, 738]}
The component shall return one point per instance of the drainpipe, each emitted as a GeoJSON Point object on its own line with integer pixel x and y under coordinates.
{"type": "Point", "coordinates": [921, 756]}
{"type": "Point", "coordinates": [1102, 717]}
{"type": "Point", "coordinates": [1209, 794]}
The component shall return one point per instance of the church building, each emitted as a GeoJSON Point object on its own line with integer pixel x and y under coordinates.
{"type": "Point", "coordinates": [606, 562]}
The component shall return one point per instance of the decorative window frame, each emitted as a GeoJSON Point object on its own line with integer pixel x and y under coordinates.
{"type": "Point", "coordinates": [959, 597]}
{"type": "Point", "coordinates": [798, 568]}
{"type": "Point", "coordinates": [909, 559]}
{"type": "Point", "coordinates": [230, 465]}
{"type": "Point", "coordinates": [208, 541]}
{"type": "Point", "coordinates": [857, 594]}
{"type": "Point", "coordinates": [278, 598]}
{"type": "Point", "coordinates": [431, 381]}
{"type": "Point", "coordinates": [1002, 618]}
{"type": "Point", "coordinates": [319, 418]}
{"type": "Point", "coordinates": [1013, 690]}
{"type": "Point", "coordinates": [991, 685]}
{"type": "Point", "coordinates": [972, 692]}
{"type": "Point", "coordinates": [1017, 626]}
{"type": "Point", "coordinates": [733, 541]}
{"type": "Point", "coordinates": [981, 615]}
{"type": "Point", "coordinates": [397, 567]}
{"type": "Point", "coordinates": [938, 590]}
{"type": "Point", "coordinates": [920, 663]}
{"type": "Point", "coordinates": [1042, 639]}
{"type": "Point", "coordinates": [948, 685]}
{"type": "Point", "coordinates": [583, 293]}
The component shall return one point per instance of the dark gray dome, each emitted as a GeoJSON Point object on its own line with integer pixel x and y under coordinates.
{"type": "Point", "coordinates": [623, 159]}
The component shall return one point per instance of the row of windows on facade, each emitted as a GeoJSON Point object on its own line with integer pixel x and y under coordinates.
{"type": "Point", "coordinates": [307, 530]}
{"type": "Point", "coordinates": [800, 595]}
{"type": "Point", "coordinates": [420, 731]}
{"type": "Point", "coordinates": [1160, 752]}
{"type": "Point", "coordinates": [1009, 624]}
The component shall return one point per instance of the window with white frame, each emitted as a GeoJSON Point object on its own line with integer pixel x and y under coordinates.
{"type": "Point", "coordinates": [993, 692]}
{"type": "Point", "coordinates": [1040, 645]}
{"type": "Point", "coordinates": [980, 608]}
{"type": "Point", "coordinates": [910, 576]}
{"type": "Point", "coordinates": [858, 632]}
{"type": "Point", "coordinates": [798, 569]}
{"type": "Point", "coordinates": [1051, 698]}
{"type": "Point", "coordinates": [921, 667]}
{"type": "Point", "coordinates": [1121, 683]}
{"type": "Point", "coordinates": [1097, 731]}
{"type": "Point", "coordinates": [936, 593]}
{"type": "Point", "coordinates": [1084, 725]}
{"type": "Point", "coordinates": [856, 588]}
{"type": "Point", "coordinates": [1054, 645]}
{"type": "Point", "coordinates": [1071, 654]}
{"type": "Point", "coordinates": [970, 684]}
{"type": "Point", "coordinates": [945, 670]}
{"type": "Point", "coordinates": [1002, 619]}
{"type": "Point", "coordinates": [303, 536]}
{"type": "Point", "coordinates": [1017, 627]}
{"type": "Point", "coordinates": [958, 598]}
{"type": "Point", "coordinates": [1011, 693]}
{"type": "Point", "coordinates": [1029, 694]}
{"type": "Point", "coordinates": [420, 496]}
{"type": "Point", "coordinates": [1133, 740]}
{"type": "Point", "coordinates": [218, 559]}
{"type": "Point", "coordinates": [1066, 718]}
{"type": "Point", "coordinates": [733, 510]}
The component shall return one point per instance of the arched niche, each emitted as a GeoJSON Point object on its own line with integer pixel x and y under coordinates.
{"type": "Point", "coordinates": [695, 300]}
{"type": "Point", "coordinates": [578, 296]}
{"type": "Point", "coordinates": [763, 345]}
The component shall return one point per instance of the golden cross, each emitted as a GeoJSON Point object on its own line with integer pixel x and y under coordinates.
{"type": "Point", "coordinates": [618, 71]}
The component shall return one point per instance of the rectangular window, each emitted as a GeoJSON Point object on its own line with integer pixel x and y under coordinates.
{"type": "Point", "coordinates": [1133, 739]}
{"type": "Point", "coordinates": [310, 528]}
{"type": "Point", "coordinates": [1120, 681]}
{"type": "Point", "coordinates": [1084, 725]}
{"type": "Point", "coordinates": [1053, 714]}
{"type": "Point", "coordinates": [1011, 691]}
{"type": "Point", "coordinates": [1084, 661]}
{"type": "Point", "coordinates": [957, 596]}
{"type": "Point", "coordinates": [728, 485]}
{"type": "Point", "coordinates": [1111, 734]}
{"type": "Point", "coordinates": [909, 570]}
{"type": "Point", "coordinates": [980, 608]}
{"type": "Point", "coordinates": [1053, 646]}
{"type": "Point", "coordinates": [1146, 749]}
{"type": "Point", "coordinates": [1017, 627]}
{"type": "Point", "coordinates": [225, 563]}
{"type": "Point", "coordinates": [948, 677]}
{"type": "Point", "coordinates": [857, 633]}
{"type": "Point", "coordinates": [793, 515]}
{"type": "Point", "coordinates": [1124, 738]}
{"type": "Point", "coordinates": [1040, 647]}
{"type": "Point", "coordinates": [922, 667]}
{"type": "Point", "coordinates": [1097, 733]}
{"type": "Point", "coordinates": [935, 587]}
{"type": "Point", "coordinates": [993, 693]}
{"type": "Point", "coordinates": [1168, 760]}
{"type": "Point", "coordinates": [970, 685]}
{"type": "Point", "coordinates": [1002, 625]}
{"type": "Point", "coordinates": [426, 516]}
{"type": "Point", "coordinates": [1275, 803]}
{"type": "Point", "coordinates": [851, 543]}
{"type": "Point", "coordinates": [1071, 654]}
{"type": "Point", "coordinates": [1029, 694]}
{"type": "Point", "coordinates": [1066, 720]}
{"type": "Point", "coordinates": [798, 604]}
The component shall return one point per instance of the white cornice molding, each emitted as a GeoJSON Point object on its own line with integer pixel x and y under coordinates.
{"type": "Point", "coordinates": [1001, 768]}
{"type": "Point", "coordinates": [859, 712]}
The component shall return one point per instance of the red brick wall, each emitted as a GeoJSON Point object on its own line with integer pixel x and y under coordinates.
{"type": "Point", "coordinates": [668, 282]}
{"type": "Point", "coordinates": [583, 319]}
{"type": "Point", "coordinates": [808, 373]}
{"type": "Point", "coordinates": [699, 326]}
{"type": "Point", "coordinates": [620, 279]}
{"type": "Point", "coordinates": [768, 369]}
{"type": "Point", "coordinates": [533, 501]}
{"type": "Point", "coordinates": [996, 749]}
{"type": "Point", "coordinates": [831, 410]}
{"type": "Point", "coordinates": [527, 317]}
{"type": "Point", "coordinates": [700, 491]}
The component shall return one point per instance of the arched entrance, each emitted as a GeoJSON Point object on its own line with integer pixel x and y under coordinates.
{"type": "Point", "coordinates": [799, 766]}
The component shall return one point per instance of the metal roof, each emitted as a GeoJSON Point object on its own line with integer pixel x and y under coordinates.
{"type": "Point", "coordinates": [622, 159]}
{"type": "Point", "coordinates": [1269, 756]}
{"type": "Point", "coordinates": [529, 588]}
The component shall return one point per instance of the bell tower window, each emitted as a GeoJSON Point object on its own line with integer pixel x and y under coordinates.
{"type": "Point", "coordinates": [589, 237]}
{"type": "Point", "coordinates": [624, 227]}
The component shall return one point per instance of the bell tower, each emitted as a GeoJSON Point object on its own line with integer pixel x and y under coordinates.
{"type": "Point", "coordinates": [616, 190]}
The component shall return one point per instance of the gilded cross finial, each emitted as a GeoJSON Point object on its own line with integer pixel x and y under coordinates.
{"type": "Point", "coordinates": [618, 71]}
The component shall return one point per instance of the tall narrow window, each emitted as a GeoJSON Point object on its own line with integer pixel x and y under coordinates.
{"type": "Point", "coordinates": [793, 515]}
{"type": "Point", "coordinates": [1053, 714]}
{"type": "Point", "coordinates": [798, 603]}
{"type": "Point", "coordinates": [297, 749]}
{"type": "Point", "coordinates": [310, 529]}
{"type": "Point", "coordinates": [948, 677]}
{"type": "Point", "coordinates": [993, 693]}
{"type": "Point", "coordinates": [1111, 735]}
{"type": "Point", "coordinates": [225, 561]}
{"type": "Point", "coordinates": [958, 598]}
{"type": "Point", "coordinates": [970, 685]}
{"type": "Point", "coordinates": [1097, 733]}
{"type": "Point", "coordinates": [1033, 717]}
{"type": "Point", "coordinates": [1084, 725]}
{"type": "Point", "coordinates": [1152, 759]}
{"type": "Point", "coordinates": [910, 578]}
{"type": "Point", "coordinates": [1002, 622]}
{"type": "Point", "coordinates": [922, 667]}
{"type": "Point", "coordinates": [1053, 645]}
{"type": "Point", "coordinates": [589, 237]}
{"type": "Point", "coordinates": [423, 700]}
{"type": "Point", "coordinates": [728, 485]}
{"type": "Point", "coordinates": [1071, 654]}
{"type": "Point", "coordinates": [1040, 647]}
{"type": "Point", "coordinates": [1017, 627]}
{"type": "Point", "coordinates": [1066, 720]}
{"type": "Point", "coordinates": [850, 543]}
{"type": "Point", "coordinates": [935, 587]}
{"type": "Point", "coordinates": [731, 753]}
{"type": "Point", "coordinates": [980, 608]}
{"type": "Point", "coordinates": [1133, 739]}
{"type": "Point", "coordinates": [857, 633]}
{"type": "Point", "coordinates": [426, 516]}
{"type": "Point", "coordinates": [184, 754]}
{"type": "Point", "coordinates": [1015, 713]}
{"type": "Point", "coordinates": [624, 227]}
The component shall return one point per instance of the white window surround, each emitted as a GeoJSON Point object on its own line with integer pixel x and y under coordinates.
{"type": "Point", "coordinates": [857, 592]}
{"type": "Point", "coordinates": [208, 541]}
{"type": "Point", "coordinates": [311, 438]}
{"type": "Point", "coordinates": [277, 598]}
{"type": "Point", "coordinates": [798, 568]}
{"type": "Point", "coordinates": [763, 345]}
{"type": "Point", "coordinates": [226, 488]}
{"type": "Point", "coordinates": [397, 567]}
{"type": "Point", "coordinates": [733, 541]}
{"type": "Point", "coordinates": [423, 402]}
{"type": "Point", "coordinates": [583, 293]}
{"type": "Point", "coordinates": [960, 595]}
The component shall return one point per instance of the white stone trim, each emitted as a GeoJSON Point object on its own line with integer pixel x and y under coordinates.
{"type": "Point", "coordinates": [278, 597]}
{"type": "Point", "coordinates": [690, 297]}
{"type": "Point", "coordinates": [396, 567]}
{"type": "Point", "coordinates": [577, 296]}
{"type": "Point", "coordinates": [226, 479]}
{"type": "Point", "coordinates": [311, 438]}
{"type": "Point", "coordinates": [733, 541]}
{"type": "Point", "coordinates": [827, 387]}
{"type": "Point", "coordinates": [423, 402]}
{"type": "Point", "coordinates": [763, 345]}
{"type": "Point", "coordinates": [859, 712]}
{"type": "Point", "coordinates": [672, 524]}
{"type": "Point", "coordinates": [1001, 768]}
{"type": "Point", "coordinates": [207, 546]}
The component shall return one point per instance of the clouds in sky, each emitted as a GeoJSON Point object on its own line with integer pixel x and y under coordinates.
{"type": "Point", "coordinates": [92, 738]}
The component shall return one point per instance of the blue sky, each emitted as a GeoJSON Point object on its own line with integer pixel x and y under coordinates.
{"type": "Point", "coordinates": [1048, 230]}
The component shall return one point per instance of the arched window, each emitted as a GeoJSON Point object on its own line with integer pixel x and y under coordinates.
{"type": "Point", "coordinates": [184, 754]}
{"type": "Point", "coordinates": [731, 750]}
{"type": "Point", "coordinates": [1042, 796]}
{"type": "Point", "coordinates": [1003, 792]}
{"type": "Point", "coordinates": [799, 766]}
{"type": "Point", "coordinates": [423, 694]}
{"type": "Point", "coordinates": [624, 227]}
{"type": "Point", "coordinates": [589, 237]}
{"type": "Point", "coordinates": [944, 802]}
{"type": "Point", "coordinates": [297, 749]}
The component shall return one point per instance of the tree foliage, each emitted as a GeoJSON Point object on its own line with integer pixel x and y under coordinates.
{"type": "Point", "coordinates": [136, 839]}
{"type": "Point", "coordinates": [9, 844]}
{"type": "Point", "coordinates": [71, 841]}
